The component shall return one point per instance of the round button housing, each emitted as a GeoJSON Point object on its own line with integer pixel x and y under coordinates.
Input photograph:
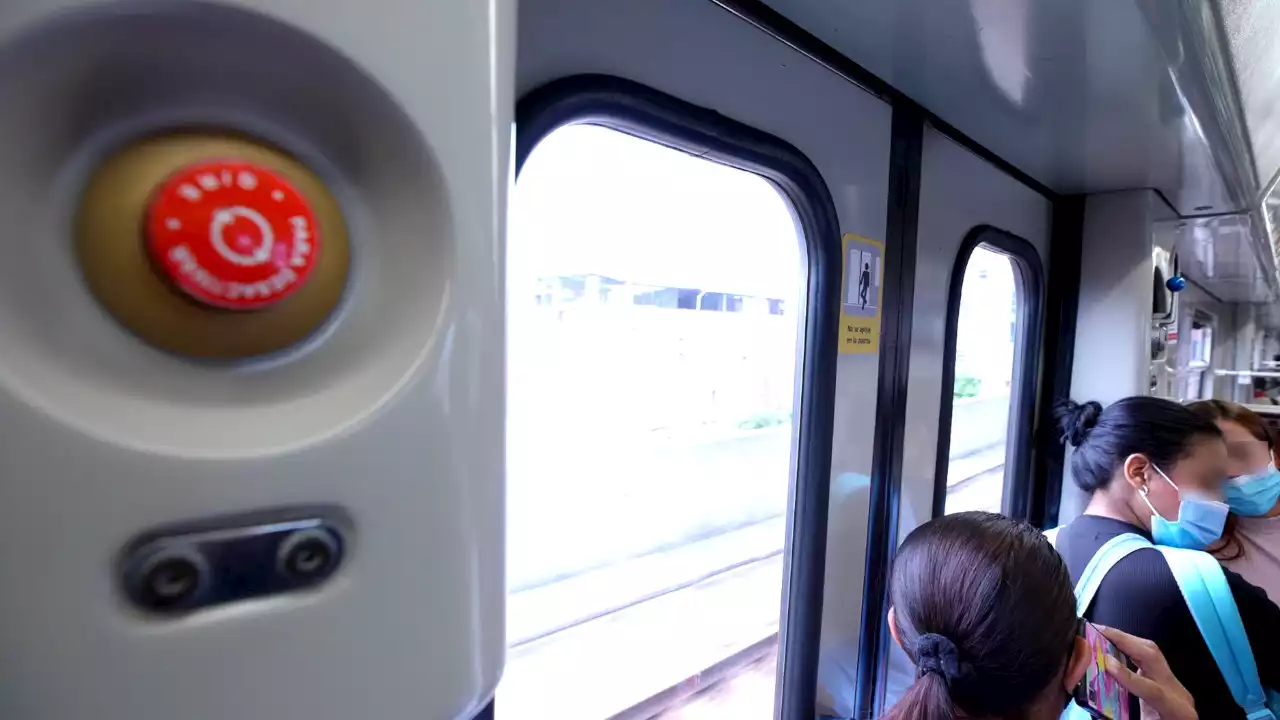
{"type": "Point", "coordinates": [232, 234]}
{"type": "Point", "coordinates": [123, 241]}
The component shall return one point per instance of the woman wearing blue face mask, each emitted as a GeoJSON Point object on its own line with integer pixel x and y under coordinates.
{"type": "Point", "coordinates": [1251, 542]}
{"type": "Point", "coordinates": [1156, 469]}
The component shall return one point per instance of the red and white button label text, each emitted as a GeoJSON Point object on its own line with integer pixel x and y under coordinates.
{"type": "Point", "coordinates": [232, 235]}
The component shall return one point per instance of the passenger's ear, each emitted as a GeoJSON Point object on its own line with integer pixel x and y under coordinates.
{"type": "Point", "coordinates": [1076, 665]}
{"type": "Point", "coordinates": [893, 629]}
{"type": "Point", "coordinates": [1135, 470]}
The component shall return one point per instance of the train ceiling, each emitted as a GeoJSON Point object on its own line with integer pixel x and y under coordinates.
{"type": "Point", "coordinates": [1088, 96]}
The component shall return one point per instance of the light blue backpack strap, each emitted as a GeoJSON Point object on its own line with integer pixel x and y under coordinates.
{"type": "Point", "coordinates": [1115, 550]}
{"type": "Point", "coordinates": [1208, 596]}
{"type": "Point", "coordinates": [1075, 712]}
{"type": "Point", "coordinates": [1052, 534]}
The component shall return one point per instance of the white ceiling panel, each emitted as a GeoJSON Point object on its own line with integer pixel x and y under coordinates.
{"type": "Point", "coordinates": [1083, 95]}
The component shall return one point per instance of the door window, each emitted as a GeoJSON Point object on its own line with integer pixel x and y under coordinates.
{"type": "Point", "coordinates": [654, 303]}
{"type": "Point", "coordinates": [986, 339]}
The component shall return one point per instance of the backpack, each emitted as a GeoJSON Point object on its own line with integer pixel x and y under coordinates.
{"type": "Point", "coordinates": [1208, 596]}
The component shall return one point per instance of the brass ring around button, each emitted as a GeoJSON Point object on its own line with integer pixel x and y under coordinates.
{"type": "Point", "coordinates": [156, 302]}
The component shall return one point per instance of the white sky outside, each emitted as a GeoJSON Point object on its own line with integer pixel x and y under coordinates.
{"type": "Point", "coordinates": [984, 346]}
{"type": "Point", "coordinates": [672, 219]}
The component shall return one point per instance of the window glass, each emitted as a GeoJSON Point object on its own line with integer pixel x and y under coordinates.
{"type": "Point", "coordinates": [986, 337]}
{"type": "Point", "coordinates": [1201, 343]}
{"type": "Point", "coordinates": [653, 316]}
{"type": "Point", "coordinates": [1198, 382]}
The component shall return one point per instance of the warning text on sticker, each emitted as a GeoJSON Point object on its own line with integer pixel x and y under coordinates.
{"type": "Point", "coordinates": [858, 335]}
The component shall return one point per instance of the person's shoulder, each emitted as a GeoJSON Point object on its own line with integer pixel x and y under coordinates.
{"type": "Point", "coordinates": [1079, 540]}
{"type": "Point", "coordinates": [1140, 596]}
{"type": "Point", "coordinates": [1142, 584]}
{"type": "Point", "coordinates": [1245, 591]}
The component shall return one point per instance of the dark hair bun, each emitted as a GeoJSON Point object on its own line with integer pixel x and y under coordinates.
{"type": "Point", "coordinates": [1075, 420]}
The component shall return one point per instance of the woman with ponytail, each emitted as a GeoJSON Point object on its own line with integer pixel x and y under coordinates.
{"type": "Point", "coordinates": [984, 607]}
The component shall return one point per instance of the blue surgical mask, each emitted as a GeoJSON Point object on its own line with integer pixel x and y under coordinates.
{"type": "Point", "coordinates": [1199, 524]}
{"type": "Point", "coordinates": [1254, 495]}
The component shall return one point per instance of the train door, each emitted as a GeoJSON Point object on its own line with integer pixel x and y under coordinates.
{"type": "Point", "coordinates": [699, 264]}
{"type": "Point", "coordinates": [976, 351]}
{"type": "Point", "coordinates": [251, 376]}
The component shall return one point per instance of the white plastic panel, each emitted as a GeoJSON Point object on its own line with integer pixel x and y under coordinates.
{"type": "Point", "coordinates": [754, 79]}
{"type": "Point", "coordinates": [1232, 334]}
{"type": "Point", "coordinates": [958, 192]}
{"type": "Point", "coordinates": [395, 415]}
{"type": "Point", "coordinates": [1221, 255]}
{"type": "Point", "coordinates": [1251, 28]}
{"type": "Point", "coordinates": [1113, 337]}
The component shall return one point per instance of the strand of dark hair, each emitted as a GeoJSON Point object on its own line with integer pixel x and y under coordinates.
{"type": "Point", "coordinates": [927, 699]}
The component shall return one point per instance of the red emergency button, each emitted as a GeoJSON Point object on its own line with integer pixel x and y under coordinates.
{"type": "Point", "coordinates": [232, 234]}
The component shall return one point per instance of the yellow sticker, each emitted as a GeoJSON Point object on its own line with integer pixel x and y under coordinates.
{"type": "Point", "coordinates": [861, 294]}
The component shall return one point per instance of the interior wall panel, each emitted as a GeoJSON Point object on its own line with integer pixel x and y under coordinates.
{"type": "Point", "coordinates": [958, 192]}
{"type": "Point", "coordinates": [1113, 345]}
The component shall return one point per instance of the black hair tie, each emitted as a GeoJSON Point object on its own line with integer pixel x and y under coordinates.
{"type": "Point", "coordinates": [1086, 418]}
{"type": "Point", "coordinates": [937, 654]}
